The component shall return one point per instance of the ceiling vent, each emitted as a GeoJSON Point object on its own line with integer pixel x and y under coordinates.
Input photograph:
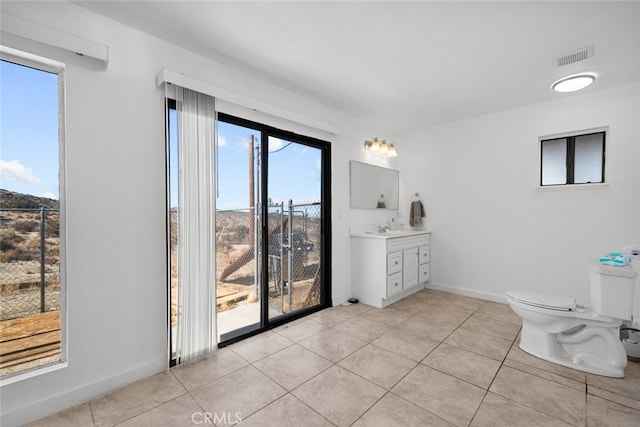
{"type": "Point", "coordinates": [575, 56]}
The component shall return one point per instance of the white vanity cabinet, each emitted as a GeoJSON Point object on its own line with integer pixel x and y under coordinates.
{"type": "Point", "coordinates": [386, 268]}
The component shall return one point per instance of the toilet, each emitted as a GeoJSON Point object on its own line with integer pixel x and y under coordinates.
{"type": "Point", "coordinates": [558, 330]}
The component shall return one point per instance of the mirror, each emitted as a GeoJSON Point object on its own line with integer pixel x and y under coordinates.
{"type": "Point", "coordinates": [368, 183]}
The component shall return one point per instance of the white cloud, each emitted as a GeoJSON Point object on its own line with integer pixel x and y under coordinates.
{"type": "Point", "coordinates": [222, 141]}
{"type": "Point", "coordinates": [13, 170]}
{"type": "Point", "coordinates": [275, 144]}
{"type": "Point", "coordinates": [49, 195]}
{"type": "Point", "coordinates": [243, 142]}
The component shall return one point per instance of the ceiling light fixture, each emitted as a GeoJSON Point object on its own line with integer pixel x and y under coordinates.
{"type": "Point", "coordinates": [381, 147]}
{"type": "Point", "coordinates": [574, 82]}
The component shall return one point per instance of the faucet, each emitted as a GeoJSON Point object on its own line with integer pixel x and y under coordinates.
{"type": "Point", "coordinates": [383, 228]}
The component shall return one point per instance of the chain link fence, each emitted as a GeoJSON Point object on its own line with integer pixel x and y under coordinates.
{"type": "Point", "coordinates": [29, 261]}
{"type": "Point", "coordinates": [293, 248]}
{"type": "Point", "coordinates": [236, 254]}
{"type": "Point", "coordinates": [294, 256]}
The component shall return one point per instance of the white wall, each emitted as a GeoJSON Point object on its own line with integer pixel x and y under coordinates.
{"type": "Point", "coordinates": [115, 201]}
{"type": "Point", "coordinates": [350, 146]}
{"type": "Point", "coordinates": [493, 229]}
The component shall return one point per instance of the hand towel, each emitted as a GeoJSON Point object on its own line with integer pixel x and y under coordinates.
{"type": "Point", "coordinates": [416, 213]}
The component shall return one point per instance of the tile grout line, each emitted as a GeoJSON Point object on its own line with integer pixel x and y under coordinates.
{"type": "Point", "coordinates": [336, 364]}
{"type": "Point", "coordinates": [93, 419]}
{"type": "Point", "coordinates": [290, 392]}
{"type": "Point", "coordinates": [520, 403]}
{"type": "Point", "coordinates": [189, 391]}
{"type": "Point", "coordinates": [494, 378]}
{"type": "Point", "coordinates": [504, 359]}
{"type": "Point", "coordinates": [542, 411]}
{"type": "Point", "coordinates": [418, 406]}
{"type": "Point", "coordinates": [370, 407]}
{"type": "Point", "coordinates": [589, 386]}
{"type": "Point", "coordinates": [387, 390]}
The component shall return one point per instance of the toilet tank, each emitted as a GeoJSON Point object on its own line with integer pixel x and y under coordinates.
{"type": "Point", "coordinates": [612, 290]}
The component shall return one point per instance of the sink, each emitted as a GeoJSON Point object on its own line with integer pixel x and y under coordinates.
{"type": "Point", "coordinates": [392, 232]}
{"type": "Point", "coordinates": [398, 232]}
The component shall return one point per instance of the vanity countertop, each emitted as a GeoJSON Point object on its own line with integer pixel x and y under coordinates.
{"type": "Point", "coordinates": [389, 234]}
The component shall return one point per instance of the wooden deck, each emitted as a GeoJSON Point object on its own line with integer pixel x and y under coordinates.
{"type": "Point", "coordinates": [29, 338]}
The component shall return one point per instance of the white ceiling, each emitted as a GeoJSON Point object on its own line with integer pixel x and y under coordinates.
{"type": "Point", "coordinates": [406, 64]}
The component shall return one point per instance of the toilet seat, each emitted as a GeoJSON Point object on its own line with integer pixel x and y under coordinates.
{"type": "Point", "coordinates": [548, 302]}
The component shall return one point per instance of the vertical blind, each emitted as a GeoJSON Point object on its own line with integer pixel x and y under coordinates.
{"type": "Point", "coordinates": [196, 322]}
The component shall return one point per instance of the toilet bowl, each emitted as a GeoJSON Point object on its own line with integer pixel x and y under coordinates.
{"type": "Point", "coordinates": [588, 339]}
{"type": "Point", "coordinates": [557, 330]}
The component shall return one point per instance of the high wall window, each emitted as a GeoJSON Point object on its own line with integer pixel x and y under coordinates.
{"type": "Point", "coordinates": [30, 216]}
{"type": "Point", "coordinates": [572, 159]}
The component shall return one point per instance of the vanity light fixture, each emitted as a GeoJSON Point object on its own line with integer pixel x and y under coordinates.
{"type": "Point", "coordinates": [574, 82]}
{"type": "Point", "coordinates": [373, 145]}
{"type": "Point", "coordinates": [382, 147]}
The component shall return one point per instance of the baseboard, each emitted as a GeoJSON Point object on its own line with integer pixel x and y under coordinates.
{"type": "Point", "coordinates": [487, 296]}
{"type": "Point", "coordinates": [35, 410]}
{"type": "Point", "coordinates": [339, 300]}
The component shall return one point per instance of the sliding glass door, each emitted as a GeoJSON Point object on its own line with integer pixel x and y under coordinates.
{"type": "Point", "coordinates": [272, 226]}
{"type": "Point", "coordinates": [294, 212]}
{"type": "Point", "coordinates": [237, 248]}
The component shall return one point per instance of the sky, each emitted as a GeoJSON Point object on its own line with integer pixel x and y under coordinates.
{"type": "Point", "coordinates": [294, 169]}
{"type": "Point", "coordinates": [29, 160]}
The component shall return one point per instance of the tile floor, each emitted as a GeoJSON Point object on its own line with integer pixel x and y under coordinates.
{"type": "Point", "coordinates": [432, 359]}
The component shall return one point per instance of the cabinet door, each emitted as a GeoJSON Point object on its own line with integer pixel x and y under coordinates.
{"type": "Point", "coordinates": [394, 284]}
{"type": "Point", "coordinates": [394, 263]}
{"type": "Point", "coordinates": [410, 268]}
{"type": "Point", "coordinates": [425, 272]}
{"type": "Point", "coordinates": [424, 254]}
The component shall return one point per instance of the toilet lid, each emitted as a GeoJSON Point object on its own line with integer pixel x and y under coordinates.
{"type": "Point", "coordinates": [543, 301]}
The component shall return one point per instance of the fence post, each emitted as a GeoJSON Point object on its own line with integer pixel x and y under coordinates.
{"type": "Point", "coordinates": [42, 249]}
{"type": "Point", "coordinates": [291, 254]}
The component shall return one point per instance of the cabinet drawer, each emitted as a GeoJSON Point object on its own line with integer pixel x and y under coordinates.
{"type": "Point", "coordinates": [424, 272]}
{"type": "Point", "coordinates": [394, 284]}
{"type": "Point", "coordinates": [394, 263]}
{"type": "Point", "coordinates": [425, 254]}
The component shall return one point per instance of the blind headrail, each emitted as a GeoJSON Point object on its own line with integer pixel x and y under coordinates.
{"type": "Point", "coordinates": [220, 93]}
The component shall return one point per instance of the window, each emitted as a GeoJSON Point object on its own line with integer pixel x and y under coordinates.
{"type": "Point", "coordinates": [572, 159]}
{"type": "Point", "coordinates": [30, 215]}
